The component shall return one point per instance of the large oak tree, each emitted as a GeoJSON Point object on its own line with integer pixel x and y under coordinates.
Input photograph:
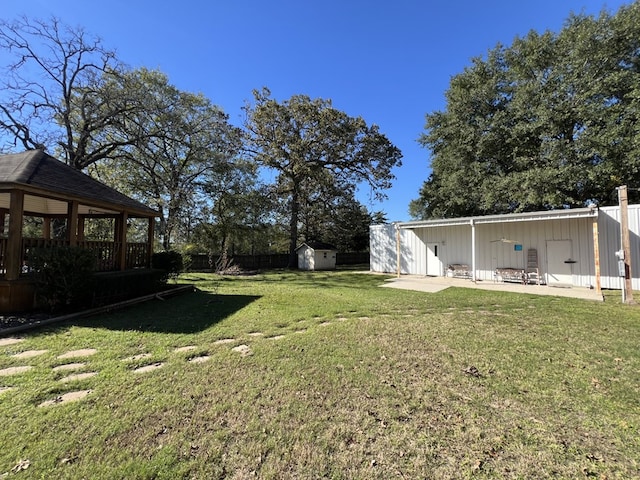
{"type": "Point", "coordinates": [552, 121]}
{"type": "Point", "coordinates": [306, 140]}
{"type": "Point", "coordinates": [61, 90]}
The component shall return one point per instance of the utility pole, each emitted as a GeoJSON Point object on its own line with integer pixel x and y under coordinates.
{"type": "Point", "coordinates": [627, 291]}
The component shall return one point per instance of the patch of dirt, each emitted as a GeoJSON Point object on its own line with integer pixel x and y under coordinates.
{"type": "Point", "coordinates": [140, 356]}
{"type": "Point", "coordinates": [78, 376]}
{"type": "Point", "coordinates": [188, 348]}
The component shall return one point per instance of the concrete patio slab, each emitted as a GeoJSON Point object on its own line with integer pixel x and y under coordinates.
{"type": "Point", "coordinates": [436, 284]}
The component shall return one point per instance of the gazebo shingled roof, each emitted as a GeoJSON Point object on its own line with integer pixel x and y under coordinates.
{"type": "Point", "coordinates": [36, 184]}
{"type": "Point", "coordinates": [42, 172]}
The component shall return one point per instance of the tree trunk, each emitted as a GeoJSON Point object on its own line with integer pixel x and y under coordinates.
{"type": "Point", "coordinates": [293, 228]}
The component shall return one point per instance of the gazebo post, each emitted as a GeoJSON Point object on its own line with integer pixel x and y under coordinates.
{"type": "Point", "coordinates": [46, 228]}
{"type": "Point", "coordinates": [13, 259]}
{"type": "Point", "coordinates": [150, 232]}
{"type": "Point", "coordinates": [121, 233]}
{"type": "Point", "coordinates": [72, 223]}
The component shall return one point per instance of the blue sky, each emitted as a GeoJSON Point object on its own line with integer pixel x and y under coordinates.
{"type": "Point", "coordinates": [389, 62]}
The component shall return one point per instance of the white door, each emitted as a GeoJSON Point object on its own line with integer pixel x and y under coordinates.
{"type": "Point", "coordinates": [559, 263]}
{"type": "Point", "coordinates": [434, 265]}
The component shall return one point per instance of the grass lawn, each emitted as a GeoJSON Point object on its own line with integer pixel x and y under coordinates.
{"type": "Point", "coordinates": [338, 378]}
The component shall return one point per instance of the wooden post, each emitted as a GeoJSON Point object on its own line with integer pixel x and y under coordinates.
{"type": "Point", "coordinates": [122, 231]}
{"type": "Point", "coordinates": [625, 243]}
{"type": "Point", "coordinates": [150, 237]}
{"type": "Point", "coordinates": [596, 256]}
{"type": "Point", "coordinates": [46, 228]}
{"type": "Point", "coordinates": [72, 223]}
{"type": "Point", "coordinates": [13, 255]}
{"type": "Point", "coordinates": [80, 229]}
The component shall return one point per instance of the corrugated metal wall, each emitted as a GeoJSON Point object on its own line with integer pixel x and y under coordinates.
{"type": "Point", "coordinates": [609, 233]}
{"type": "Point", "coordinates": [454, 246]}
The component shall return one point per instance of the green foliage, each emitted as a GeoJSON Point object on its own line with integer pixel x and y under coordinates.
{"type": "Point", "coordinates": [313, 147]}
{"type": "Point", "coordinates": [171, 262]}
{"type": "Point", "coordinates": [550, 122]}
{"type": "Point", "coordinates": [64, 276]}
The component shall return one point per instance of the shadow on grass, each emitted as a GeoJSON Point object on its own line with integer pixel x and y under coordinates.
{"type": "Point", "coordinates": [186, 313]}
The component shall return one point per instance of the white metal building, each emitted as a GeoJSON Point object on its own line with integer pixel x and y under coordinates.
{"type": "Point", "coordinates": [571, 247]}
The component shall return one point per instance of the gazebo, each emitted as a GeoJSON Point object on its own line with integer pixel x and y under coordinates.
{"type": "Point", "coordinates": [36, 184]}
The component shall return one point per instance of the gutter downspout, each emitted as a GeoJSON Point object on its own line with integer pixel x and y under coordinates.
{"type": "Point", "coordinates": [473, 250]}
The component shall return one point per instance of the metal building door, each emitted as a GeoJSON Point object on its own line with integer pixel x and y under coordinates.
{"type": "Point", "coordinates": [559, 262]}
{"type": "Point", "coordinates": [434, 265]}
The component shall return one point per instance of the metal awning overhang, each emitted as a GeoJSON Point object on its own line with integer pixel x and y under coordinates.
{"type": "Point", "coordinates": [569, 213]}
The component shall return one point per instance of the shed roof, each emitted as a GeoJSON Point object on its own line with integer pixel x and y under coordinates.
{"type": "Point", "coordinates": [38, 172]}
{"type": "Point", "coordinates": [317, 246]}
{"type": "Point", "coordinates": [505, 218]}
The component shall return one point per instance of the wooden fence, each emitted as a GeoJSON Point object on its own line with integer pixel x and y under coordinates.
{"type": "Point", "coordinates": [203, 262]}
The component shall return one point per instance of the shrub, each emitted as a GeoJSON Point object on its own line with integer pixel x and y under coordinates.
{"type": "Point", "coordinates": [63, 276]}
{"type": "Point", "coordinates": [170, 261]}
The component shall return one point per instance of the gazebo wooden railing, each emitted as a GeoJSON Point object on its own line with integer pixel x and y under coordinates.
{"type": "Point", "coordinates": [106, 253]}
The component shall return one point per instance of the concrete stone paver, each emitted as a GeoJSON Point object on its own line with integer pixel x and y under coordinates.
{"type": "Point", "coordinates": [200, 359]}
{"type": "Point", "coordinates": [67, 397]}
{"type": "Point", "coordinates": [149, 368]}
{"type": "Point", "coordinates": [5, 372]}
{"type": "Point", "coordinates": [84, 352]}
{"type": "Point", "coordinates": [29, 354]}
{"type": "Point", "coordinates": [10, 341]}
{"type": "Point", "coordinates": [69, 366]}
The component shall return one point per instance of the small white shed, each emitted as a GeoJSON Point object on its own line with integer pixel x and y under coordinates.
{"type": "Point", "coordinates": [316, 256]}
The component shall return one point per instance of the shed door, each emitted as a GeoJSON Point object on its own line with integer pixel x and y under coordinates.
{"type": "Point", "coordinates": [434, 265]}
{"type": "Point", "coordinates": [559, 262]}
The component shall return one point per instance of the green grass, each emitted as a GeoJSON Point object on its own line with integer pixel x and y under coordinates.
{"type": "Point", "coordinates": [366, 383]}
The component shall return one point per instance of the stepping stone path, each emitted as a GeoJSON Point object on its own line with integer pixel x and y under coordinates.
{"type": "Point", "coordinates": [243, 349]}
